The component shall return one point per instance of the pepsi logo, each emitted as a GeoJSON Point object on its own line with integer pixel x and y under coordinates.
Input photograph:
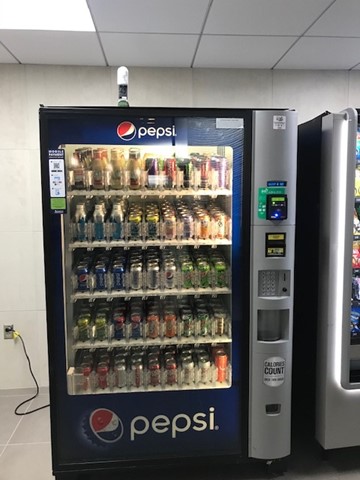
{"type": "Point", "coordinates": [126, 131]}
{"type": "Point", "coordinates": [106, 425]}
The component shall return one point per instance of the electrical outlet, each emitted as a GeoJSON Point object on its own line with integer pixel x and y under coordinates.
{"type": "Point", "coordinates": [8, 332]}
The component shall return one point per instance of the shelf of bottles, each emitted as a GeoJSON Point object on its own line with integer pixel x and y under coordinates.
{"type": "Point", "coordinates": [355, 297]}
{"type": "Point", "coordinates": [149, 238]}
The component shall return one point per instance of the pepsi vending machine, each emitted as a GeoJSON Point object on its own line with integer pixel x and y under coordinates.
{"type": "Point", "coordinates": [169, 251]}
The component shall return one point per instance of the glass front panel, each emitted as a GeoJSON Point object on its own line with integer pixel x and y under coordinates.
{"type": "Point", "coordinates": [355, 300]}
{"type": "Point", "coordinates": [148, 253]}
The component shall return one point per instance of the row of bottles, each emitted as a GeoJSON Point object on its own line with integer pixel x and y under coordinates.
{"type": "Point", "coordinates": [151, 319]}
{"type": "Point", "coordinates": [151, 368]}
{"type": "Point", "coordinates": [128, 169]}
{"type": "Point", "coordinates": [134, 221]}
{"type": "Point", "coordinates": [152, 269]}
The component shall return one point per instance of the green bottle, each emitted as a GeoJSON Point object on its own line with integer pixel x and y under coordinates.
{"type": "Point", "coordinates": [123, 81]}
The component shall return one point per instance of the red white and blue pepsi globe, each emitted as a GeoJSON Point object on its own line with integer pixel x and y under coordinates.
{"type": "Point", "coordinates": [106, 425]}
{"type": "Point", "coordinates": [126, 131]}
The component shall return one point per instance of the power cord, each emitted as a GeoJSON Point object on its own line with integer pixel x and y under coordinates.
{"type": "Point", "coordinates": [15, 336]}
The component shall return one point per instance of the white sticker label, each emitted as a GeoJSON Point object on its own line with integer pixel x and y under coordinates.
{"type": "Point", "coordinates": [279, 122]}
{"type": "Point", "coordinates": [229, 123]}
{"type": "Point", "coordinates": [57, 178]}
{"type": "Point", "coordinates": [274, 371]}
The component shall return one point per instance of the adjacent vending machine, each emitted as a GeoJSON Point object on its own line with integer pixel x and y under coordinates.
{"type": "Point", "coordinates": [169, 251]}
{"type": "Point", "coordinates": [329, 166]}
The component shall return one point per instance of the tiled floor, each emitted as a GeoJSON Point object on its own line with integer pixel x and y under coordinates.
{"type": "Point", "coordinates": [25, 452]}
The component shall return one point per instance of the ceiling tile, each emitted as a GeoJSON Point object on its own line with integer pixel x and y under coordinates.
{"type": "Point", "coordinates": [240, 51]}
{"type": "Point", "coordinates": [5, 56]}
{"type": "Point", "coordinates": [149, 16]}
{"type": "Point", "coordinates": [319, 53]}
{"type": "Point", "coordinates": [56, 48]}
{"type": "Point", "coordinates": [263, 17]}
{"type": "Point", "coordinates": [342, 19]}
{"type": "Point", "coordinates": [149, 50]}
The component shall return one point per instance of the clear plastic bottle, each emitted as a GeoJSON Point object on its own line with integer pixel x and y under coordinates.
{"type": "Point", "coordinates": [99, 222]}
{"type": "Point", "coordinates": [117, 222]}
{"type": "Point", "coordinates": [80, 232]}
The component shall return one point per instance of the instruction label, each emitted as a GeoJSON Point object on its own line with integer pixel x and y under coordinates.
{"type": "Point", "coordinates": [274, 371]}
{"type": "Point", "coordinates": [57, 180]}
{"type": "Point", "coordinates": [279, 122]}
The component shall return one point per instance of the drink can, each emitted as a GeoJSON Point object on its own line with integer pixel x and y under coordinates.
{"type": "Point", "coordinates": [135, 323]}
{"type": "Point", "coordinates": [120, 371]}
{"type": "Point", "coordinates": [118, 276]}
{"type": "Point", "coordinates": [187, 270]}
{"type": "Point", "coordinates": [100, 271]}
{"type": "Point", "coordinates": [169, 226]}
{"type": "Point", "coordinates": [83, 323]}
{"type": "Point", "coordinates": [102, 371]}
{"type": "Point", "coordinates": [203, 319]}
{"type": "Point", "coordinates": [137, 370]}
{"type": "Point", "coordinates": [188, 370]}
{"type": "Point", "coordinates": [205, 226]}
{"type": "Point", "coordinates": [222, 167]}
{"type": "Point", "coordinates": [170, 274]}
{"type": "Point", "coordinates": [187, 319]}
{"type": "Point", "coordinates": [204, 367]}
{"type": "Point", "coordinates": [220, 270]}
{"type": "Point", "coordinates": [136, 282]}
{"type": "Point", "coordinates": [204, 172]}
{"type": "Point", "coordinates": [170, 324]}
{"type": "Point", "coordinates": [153, 275]}
{"type": "Point", "coordinates": [219, 323]}
{"type": "Point", "coordinates": [220, 224]}
{"type": "Point", "coordinates": [221, 363]}
{"type": "Point", "coordinates": [170, 172]}
{"type": "Point", "coordinates": [171, 370]}
{"type": "Point", "coordinates": [153, 325]}
{"type": "Point", "coordinates": [100, 327]}
{"type": "Point", "coordinates": [135, 219]}
{"type": "Point", "coordinates": [154, 372]}
{"type": "Point", "coordinates": [82, 277]}
{"type": "Point", "coordinates": [86, 371]}
{"type": "Point", "coordinates": [119, 325]}
{"type": "Point", "coordinates": [152, 222]}
{"type": "Point", "coordinates": [188, 225]}
{"type": "Point", "coordinates": [204, 273]}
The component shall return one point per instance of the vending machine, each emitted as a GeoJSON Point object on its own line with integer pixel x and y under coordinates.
{"type": "Point", "coordinates": [169, 252]}
{"type": "Point", "coordinates": [329, 288]}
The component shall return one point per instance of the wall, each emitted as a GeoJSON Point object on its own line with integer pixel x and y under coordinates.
{"type": "Point", "coordinates": [24, 88]}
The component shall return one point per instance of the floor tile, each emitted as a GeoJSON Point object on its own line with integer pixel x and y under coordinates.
{"type": "Point", "coordinates": [8, 420]}
{"type": "Point", "coordinates": [35, 427]}
{"type": "Point", "coordinates": [26, 462]}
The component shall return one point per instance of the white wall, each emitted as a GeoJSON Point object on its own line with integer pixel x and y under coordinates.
{"type": "Point", "coordinates": [24, 88]}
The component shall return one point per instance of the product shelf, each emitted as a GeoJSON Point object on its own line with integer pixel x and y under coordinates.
{"type": "Point", "coordinates": [162, 244]}
{"type": "Point", "coordinates": [148, 342]}
{"type": "Point", "coordinates": [144, 294]}
{"type": "Point", "coordinates": [143, 193]}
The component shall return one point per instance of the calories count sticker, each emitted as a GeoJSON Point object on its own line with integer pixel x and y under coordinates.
{"type": "Point", "coordinates": [274, 371]}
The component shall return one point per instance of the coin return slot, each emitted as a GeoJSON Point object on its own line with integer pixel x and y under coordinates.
{"type": "Point", "coordinates": [273, 409]}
